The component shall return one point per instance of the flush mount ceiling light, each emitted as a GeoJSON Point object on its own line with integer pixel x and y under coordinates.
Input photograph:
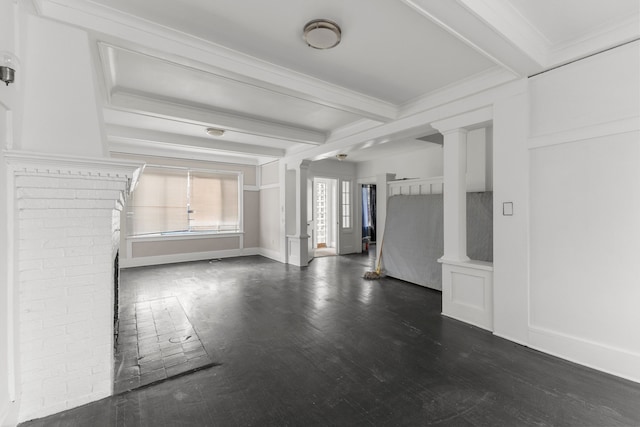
{"type": "Point", "coordinates": [215, 132]}
{"type": "Point", "coordinates": [322, 34]}
{"type": "Point", "coordinates": [341, 156]}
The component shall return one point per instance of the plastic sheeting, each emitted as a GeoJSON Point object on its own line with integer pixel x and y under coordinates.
{"type": "Point", "coordinates": [414, 239]}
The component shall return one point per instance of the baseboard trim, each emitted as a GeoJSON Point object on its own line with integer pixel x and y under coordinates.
{"type": "Point", "coordinates": [508, 338]}
{"type": "Point", "coordinates": [268, 253]}
{"type": "Point", "coordinates": [615, 361]}
{"type": "Point", "coordinates": [187, 257]}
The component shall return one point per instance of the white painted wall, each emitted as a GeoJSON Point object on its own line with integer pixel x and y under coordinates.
{"type": "Point", "coordinates": [290, 201]}
{"type": "Point", "coordinates": [510, 233]}
{"type": "Point", "coordinates": [270, 211]}
{"type": "Point", "coordinates": [478, 159]}
{"type": "Point", "coordinates": [422, 163]}
{"type": "Point", "coordinates": [4, 292]}
{"type": "Point", "coordinates": [8, 96]}
{"type": "Point", "coordinates": [269, 174]}
{"type": "Point", "coordinates": [427, 162]}
{"type": "Point", "coordinates": [61, 113]}
{"type": "Point", "coordinates": [585, 209]}
{"type": "Point", "coordinates": [332, 168]}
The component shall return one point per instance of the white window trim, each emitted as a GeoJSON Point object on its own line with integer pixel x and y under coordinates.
{"type": "Point", "coordinates": [185, 235]}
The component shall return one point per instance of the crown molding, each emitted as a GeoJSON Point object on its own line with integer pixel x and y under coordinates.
{"type": "Point", "coordinates": [609, 36]}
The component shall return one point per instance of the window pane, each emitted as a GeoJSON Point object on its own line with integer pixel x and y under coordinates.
{"type": "Point", "coordinates": [178, 200]}
{"type": "Point", "coordinates": [346, 204]}
{"type": "Point", "coordinates": [214, 202]}
{"type": "Point", "coordinates": [159, 202]}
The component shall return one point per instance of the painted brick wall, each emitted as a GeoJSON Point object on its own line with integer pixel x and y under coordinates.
{"type": "Point", "coordinates": [65, 247]}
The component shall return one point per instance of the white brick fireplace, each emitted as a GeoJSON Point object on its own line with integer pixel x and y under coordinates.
{"type": "Point", "coordinates": [64, 239]}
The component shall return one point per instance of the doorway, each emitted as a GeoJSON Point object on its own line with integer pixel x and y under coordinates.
{"type": "Point", "coordinates": [368, 216]}
{"type": "Point", "coordinates": [325, 214]}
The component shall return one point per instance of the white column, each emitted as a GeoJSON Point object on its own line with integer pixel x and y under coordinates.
{"type": "Point", "coordinates": [455, 195]}
{"type": "Point", "coordinates": [467, 285]}
{"type": "Point", "coordinates": [298, 251]}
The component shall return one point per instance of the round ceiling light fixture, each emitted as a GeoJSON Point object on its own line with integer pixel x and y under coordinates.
{"type": "Point", "coordinates": [215, 132]}
{"type": "Point", "coordinates": [341, 156]}
{"type": "Point", "coordinates": [322, 34]}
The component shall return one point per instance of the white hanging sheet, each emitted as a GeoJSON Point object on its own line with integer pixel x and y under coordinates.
{"type": "Point", "coordinates": [414, 239]}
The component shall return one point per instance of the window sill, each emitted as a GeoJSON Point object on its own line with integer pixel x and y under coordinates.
{"type": "Point", "coordinates": [184, 236]}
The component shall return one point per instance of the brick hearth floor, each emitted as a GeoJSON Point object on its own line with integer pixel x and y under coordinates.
{"type": "Point", "coordinates": [156, 341]}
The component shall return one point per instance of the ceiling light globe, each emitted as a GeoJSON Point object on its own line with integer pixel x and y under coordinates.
{"type": "Point", "coordinates": [322, 34]}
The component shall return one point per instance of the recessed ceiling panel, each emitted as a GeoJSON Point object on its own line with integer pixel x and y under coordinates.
{"type": "Point", "coordinates": [388, 51]}
{"type": "Point", "coordinates": [156, 78]}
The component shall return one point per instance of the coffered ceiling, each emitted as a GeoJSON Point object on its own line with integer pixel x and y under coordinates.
{"type": "Point", "coordinates": [169, 69]}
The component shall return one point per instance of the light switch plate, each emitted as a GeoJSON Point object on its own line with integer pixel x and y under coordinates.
{"type": "Point", "coordinates": [507, 208]}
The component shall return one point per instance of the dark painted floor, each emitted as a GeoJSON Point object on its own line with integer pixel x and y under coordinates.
{"type": "Point", "coordinates": [156, 341]}
{"type": "Point", "coordinates": [321, 346]}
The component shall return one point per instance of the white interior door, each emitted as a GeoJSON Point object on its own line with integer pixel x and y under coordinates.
{"type": "Point", "coordinates": [346, 223]}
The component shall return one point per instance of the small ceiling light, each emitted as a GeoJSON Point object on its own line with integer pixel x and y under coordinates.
{"type": "Point", "coordinates": [341, 156]}
{"type": "Point", "coordinates": [322, 34]}
{"type": "Point", "coordinates": [215, 131]}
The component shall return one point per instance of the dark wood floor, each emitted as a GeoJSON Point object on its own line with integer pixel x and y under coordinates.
{"type": "Point", "coordinates": [321, 346]}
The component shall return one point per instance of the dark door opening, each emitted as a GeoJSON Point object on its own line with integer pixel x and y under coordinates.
{"type": "Point", "coordinates": [368, 214]}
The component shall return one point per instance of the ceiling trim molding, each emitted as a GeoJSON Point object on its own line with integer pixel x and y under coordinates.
{"type": "Point", "coordinates": [480, 82]}
{"type": "Point", "coordinates": [129, 134]}
{"type": "Point", "coordinates": [606, 38]}
{"type": "Point", "coordinates": [129, 29]}
{"type": "Point", "coordinates": [141, 104]}
{"type": "Point", "coordinates": [147, 149]}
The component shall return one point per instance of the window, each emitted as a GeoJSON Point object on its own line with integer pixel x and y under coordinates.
{"type": "Point", "coordinates": [346, 204]}
{"type": "Point", "coordinates": [172, 200]}
{"type": "Point", "coordinates": [321, 209]}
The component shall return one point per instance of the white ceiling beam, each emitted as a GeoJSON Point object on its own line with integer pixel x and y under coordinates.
{"type": "Point", "coordinates": [146, 149]}
{"type": "Point", "coordinates": [468, 26]}
{"type": "Point", "coordinates": [505, 19]}
{"type": "Point", "coordinates": [207, 118]}
{"type": "Point", "coordinates": [411, 126]}
{"type": "Point", "coordinates": [123, 28]}
{"type": "Point", "coordinates": [126, 134]}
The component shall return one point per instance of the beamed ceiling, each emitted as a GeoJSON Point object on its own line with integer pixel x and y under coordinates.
{"type": "Point", "coordinates": [172, 68]}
